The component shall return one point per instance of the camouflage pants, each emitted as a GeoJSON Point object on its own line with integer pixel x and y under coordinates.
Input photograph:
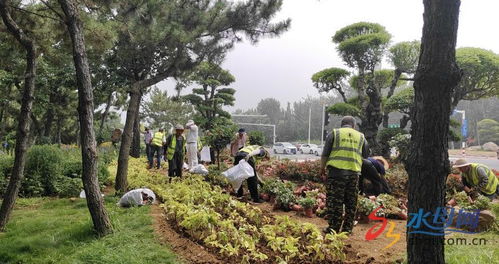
{"type": "Point", "coordinates": [341, 190]}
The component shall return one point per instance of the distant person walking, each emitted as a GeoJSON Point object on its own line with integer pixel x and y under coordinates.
{"type": "Point", "coordinates": [239, 142]}
{"type": "Point", "coordinates": [175, 151]}
{"type": "Point", "coordinates": [192, 144]}
{"type": "Point", "coordinates": [147, 142]}
{"type": "Point", "coordinates": [343, 152]}
{"type": "Point", "coordinates": [157, 143]}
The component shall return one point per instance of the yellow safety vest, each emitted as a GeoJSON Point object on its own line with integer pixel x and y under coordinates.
{"type": "Point", "coordinates": [157, 140]}
{"type": "Point", "coordinates": [249, 149]}
{"type": "Point", "coordinates": [472, 178]}
{"type": "Point", "coordinates": [346, 153]}
{"type": "Point", "coordinates": [173, 145]}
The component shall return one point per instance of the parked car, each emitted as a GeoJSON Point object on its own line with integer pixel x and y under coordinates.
{"type": "Point", "coordinates": [318, 151]}
{"type": "Point", "coordinates": [284, 148]}
{"type": "Point", "coordinates": [308, 148]}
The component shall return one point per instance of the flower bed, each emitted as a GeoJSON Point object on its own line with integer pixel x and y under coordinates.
{"type": "Point", "coordinates": [239, 232]}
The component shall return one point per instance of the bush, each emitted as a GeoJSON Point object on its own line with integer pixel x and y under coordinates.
{"type": "Point", "coordinates": [44, 167]}
{"type": "Point", "coordinates": [69, 187]}
{"type": "Point", "coordinates": [6, 164]}
{"type": "Point", "coordinates": [384, 137]}
{"type": "Point", "coordinates": [51, 171]}
{"type": "Point", "coordinates": [401, 143]}
{"type": "Point", "coordinates": [256, 138]}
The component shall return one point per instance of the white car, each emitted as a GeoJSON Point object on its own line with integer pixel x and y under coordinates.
{"type": "Point", "coordinates": [284, 148]}
{"type": "Point", "coordinates": [318, 151]}
{"type": "Point", "coordinates": [308, 148]}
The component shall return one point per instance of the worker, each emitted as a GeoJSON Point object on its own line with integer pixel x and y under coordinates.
{"type": "Point", "coordinates": [157, 142]}
{"type": "Point", "coordinates": [192, 144]}
{"type": "Point", "coordinates": [373, 171]}
{"type": "Point", "coordinates": [137, 197]}
{"type": "Point", "coordinates": [251, 154]}
{"type": "Point", "coordinates": [478, 177]}
{"type": "Point", "coordinates": [175, 152]}
{"type": "Point", "coordinates": [147, 142]}
{"type": "Point", "coordinates": [343, 152]}
{"type": "Point", "coordinates": [240, 140]}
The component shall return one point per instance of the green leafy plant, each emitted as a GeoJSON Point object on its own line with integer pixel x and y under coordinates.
{"type": "Point", "coordinates": [365, 205]}
{"type": "Point", "coordinates": [307, 202]}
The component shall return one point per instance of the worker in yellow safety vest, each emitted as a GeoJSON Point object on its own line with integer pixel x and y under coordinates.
{"type": "Point", "coordinates": [157, 142]}
{"type": "Point", "coordinates": [251, 154]}
{"type": "Point", "coordinates": [343, 152]}
{"type": "Point", "coordinates": [478, 177]}
{"type": "Point", "coordinates": [175, 152]}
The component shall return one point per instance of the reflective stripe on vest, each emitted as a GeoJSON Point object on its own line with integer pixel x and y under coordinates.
{"type": "Point", "coordinates": [157, 140]}
{"type": "Point", "coordinates": [472, 177]}
{"type": "Point", "coordinates": [173, 145]}
{"type": "Point", "coordinates": [346, 153]}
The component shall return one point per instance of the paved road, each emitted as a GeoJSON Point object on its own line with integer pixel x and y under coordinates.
{"type": "Point", "coordinates": [299, 157]}
{"type": "Point", "coordinates": [491, 162]}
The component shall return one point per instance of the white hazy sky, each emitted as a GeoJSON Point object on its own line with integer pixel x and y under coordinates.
{"type": "Point", "coordinates": [281, 67]}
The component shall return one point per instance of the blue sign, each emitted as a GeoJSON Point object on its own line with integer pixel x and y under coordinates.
{"type": "Point", "coordinates": [464, 129]}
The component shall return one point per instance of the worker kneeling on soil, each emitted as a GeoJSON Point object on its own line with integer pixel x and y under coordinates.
{"type": "Point", "coordinates": [479, 177]}
{"type": "Point", "coordinates": [251, 154]}
{"type": "Point", "coordinates": [137, 197]}
{"type": "Point", "coordinates": [373, 171]}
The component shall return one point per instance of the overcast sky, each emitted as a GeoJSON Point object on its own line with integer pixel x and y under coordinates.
{"type": "Point", "coordinates": [281, 67]}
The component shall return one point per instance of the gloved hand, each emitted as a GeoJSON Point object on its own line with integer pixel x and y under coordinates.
{"type": "Point", "coordinates": [247, 157]}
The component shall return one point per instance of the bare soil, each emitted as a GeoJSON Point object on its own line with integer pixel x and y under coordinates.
{"type": "Point", "coordinates": [187, 250]}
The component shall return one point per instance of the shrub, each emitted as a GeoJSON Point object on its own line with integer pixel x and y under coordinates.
{"type": "Point", "coordinates": [401, 143]}
{"type": "Point", "coordinates": [387, 134]}
{"type": "Point", "coordinates": [6, 164]}
{"type": "Point", "coordinates": [256, 138]}
{"type": "Point", "coordinates": [43, 170]}
{"type": "Point", "coordinates": [69, 187]}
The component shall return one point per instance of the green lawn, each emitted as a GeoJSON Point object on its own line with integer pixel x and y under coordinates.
{"type": "Point", "coordinates": [470, 254]}
{"type": "Point", "coordinates": [44, 230]}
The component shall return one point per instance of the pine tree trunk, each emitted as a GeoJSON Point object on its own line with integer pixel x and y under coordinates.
{"type": "Point", "coordinates": [373, 118]}
{"type": "Point", "coordinates": [428, 163]}
{"type": "Point", "coordinates": [95, 203]}
{"type": "Point", "coordinates": [135, 149]}
{"type": "Point", "coordinates": [126, 139]}
{"type": "Point", "coordinates": [23, 128]}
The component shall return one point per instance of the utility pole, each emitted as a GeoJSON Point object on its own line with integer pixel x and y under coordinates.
{"type": "Point", "coordinates": [322, 126]}
{"type": "Point", "coordinates": [464, 127]}
{"type": "Point", "coordinates": [309, 121]}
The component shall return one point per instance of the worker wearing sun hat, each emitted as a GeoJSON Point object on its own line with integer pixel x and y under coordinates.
{"type": "Point", "coordinates": [478, 176]}
{"type": "Point", "coordinates": [175, 151]}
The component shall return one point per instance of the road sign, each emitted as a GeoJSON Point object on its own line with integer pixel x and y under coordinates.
{"type": "Point", "coordinates": [464, 129]}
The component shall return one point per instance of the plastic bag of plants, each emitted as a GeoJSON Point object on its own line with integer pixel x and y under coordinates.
{"type": "Point", "coordinates": [237, 174]}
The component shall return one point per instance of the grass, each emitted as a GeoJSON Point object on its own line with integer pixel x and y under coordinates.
{"type": "Point", "coordinates": [45, 230]}
{"type": "Point", "coordinates": [488, 252]}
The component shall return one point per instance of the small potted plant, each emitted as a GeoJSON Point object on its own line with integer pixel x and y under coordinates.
{"type": "Point", "coordinates": [308, 204]}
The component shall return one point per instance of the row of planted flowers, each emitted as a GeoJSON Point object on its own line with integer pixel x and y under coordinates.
{"type": "Point", "coordinates": [237, 231]}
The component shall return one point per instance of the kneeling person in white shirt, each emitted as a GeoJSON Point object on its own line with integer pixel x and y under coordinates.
{"type": "Point", "coordinates": [137, 197]}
